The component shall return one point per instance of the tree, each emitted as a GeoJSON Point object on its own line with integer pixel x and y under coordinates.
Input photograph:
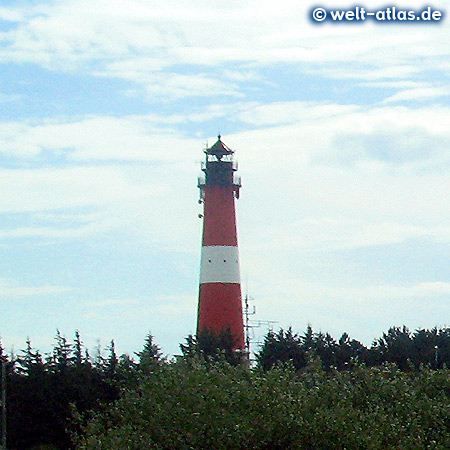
{"type": "Point", "coordinates": [149, 355]}
{"type": "Point", "coordinates": [78, 350]}
{"type": "Point", "coordinates": [112, 361]}
{"type": "Point", "coordinates": [30, 362]}
{"type": "Point", "coordinates": [325, 347]}
{"type": "Point", "coordinates": [395, 346]}
{"type": "Point", "coordinates": [190, 405]}
{"type": "Point", "coordinates": [61, 358]}
{"type": "Point", "coordinates": [349, 352]}
{"type": "Point", "coordinates": [41, 396]}
{"type": "Point", "coordinates": [210, 346]}
{"type": "Point", "coordinates": [284, 346]}
{"type": "Point", "coordinates": [287, 346]}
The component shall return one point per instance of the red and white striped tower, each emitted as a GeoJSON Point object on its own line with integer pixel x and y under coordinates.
{"type": "Point", "coordinates": [220, 303]}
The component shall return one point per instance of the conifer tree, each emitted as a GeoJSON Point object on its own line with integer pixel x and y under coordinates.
{"type": "Point", "coordinates": [78, 350]}
{"type": "Point", "coordinates": [210, 346]}
{"type": "Point", "coordinates": [149, 355]}
{"type": "Point", "coordinates": [394, 346]}
{"type": "Point", "coordinates": [30, 363]}
{"type": "Point", "coordinates": [61, 357]}
{"type": "Point", "coordinates": [111, 361]}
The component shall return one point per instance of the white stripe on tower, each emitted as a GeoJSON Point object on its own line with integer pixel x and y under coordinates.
{"type": "Point", "coordinates": [219, 264]}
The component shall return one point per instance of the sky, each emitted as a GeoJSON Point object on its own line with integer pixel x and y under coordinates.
{"type": "Point", "coordinates": [341, 131]}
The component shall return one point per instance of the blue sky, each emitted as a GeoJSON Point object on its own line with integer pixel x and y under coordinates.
{"type": "Point", "coordinates": [341, 133]}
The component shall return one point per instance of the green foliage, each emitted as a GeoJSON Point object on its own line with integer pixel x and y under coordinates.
{"type": "Point", "coordinates": [287, 346]}
{"type": "Point", "coordinates": [42, 394]}
{"type": "Point", "coordinates": [44, 447]}
{"type": "Point", "coordinates": [150, 355]}
{"type": "Point", "coordinates": [307, 391]}
{"type": "Point", "coordinates": [395, 346]}
{"type": "Point", "coordinates": [191, 405]}
{"type": "Point", "coordinates": [281, 347]}
{"type": "Point", "coordinates": [209, 346]}
{"type": "Point", "coordinates": [409, 351]}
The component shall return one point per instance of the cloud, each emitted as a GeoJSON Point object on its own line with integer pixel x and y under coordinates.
{"type": "Point", "coordinates": [393, 84]}
{"type": "Point", "coordinates": [57, 233]}
{"type": "Point", "coordinates": [7, 98]}
{"type": "Point", "coordinates": [334, 209]}
{"type": "Point", "coordinates": [11, 15]}
{"type": "Point", "coordinates": [172, 306]}
{"type": "Point", "coordinates": [306, 135]}
{"type": "Point", "coordinates": [134, 201]}
{"type": "Point", "coordinates": [368, 295]}
{"type": "Point", "coordinates": [418, 94]}
{"type": "Point", "coordinates": [181, 86]}
{"type": "Point", "coordinates": [170, 43]}
{"type": "Point", "coordinates": [11, 289]}
{"type": "Point", "coordinates": [138, 138]}
{"type": "Point", "coordinates": [361, 176]}
{"type": "Point", "coordinates": [52, 188]}
{"type": "Point", "coordinates": [327, 234]}
{"type": "Point", "coordinates": [279, 113]}
{"type": "Point", "coordinates": [362, 311]}
{"type": "Point", "coordinates": [383, 165]}
{"type": "Point", "coordinates": [114, 302]}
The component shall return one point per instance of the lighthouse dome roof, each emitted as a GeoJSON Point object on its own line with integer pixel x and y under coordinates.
{"type": "Point", "coordinates": [219, 148]}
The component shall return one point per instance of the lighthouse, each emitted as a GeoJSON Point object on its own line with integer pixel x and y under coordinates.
{"type": "Point", "coordinates": [220, 302]}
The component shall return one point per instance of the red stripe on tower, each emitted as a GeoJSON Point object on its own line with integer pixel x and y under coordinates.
{"type": "Point", "coordinates": [220, 302]}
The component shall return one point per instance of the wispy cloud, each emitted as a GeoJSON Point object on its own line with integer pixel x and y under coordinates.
{"type": "Point", "coordinates": [114, 302]}
{"type": "Point", "coordinates": [163, 36]}
{"type": "Point", "coordinates": [140, 138]}
{"type": "Point", "coordinates": [11, 289]}
{"type": "Point", "coordinates": [418, 94]}
{"type": "Point", "coordinates": [7, 98]}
